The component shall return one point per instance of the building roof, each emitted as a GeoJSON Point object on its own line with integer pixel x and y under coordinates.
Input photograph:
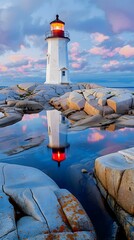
{"type": "Point", "coordinates": [57, 20]}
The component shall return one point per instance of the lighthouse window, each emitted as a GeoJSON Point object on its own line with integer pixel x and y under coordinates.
{"type": "Point", "coordinates": [63, 73]}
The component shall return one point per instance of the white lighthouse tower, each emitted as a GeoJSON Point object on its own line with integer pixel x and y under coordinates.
{"type": "Point", "coordinates": [57, 56]}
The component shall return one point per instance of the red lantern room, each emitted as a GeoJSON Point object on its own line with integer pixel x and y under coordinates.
{"type": "Point", "coordinates": [58, 155]}
{"type": "Point", "coordinates": [57, 27]}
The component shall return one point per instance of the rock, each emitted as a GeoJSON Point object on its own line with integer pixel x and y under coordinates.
{"type": "Point", "coordinates": [48, 212]}
{"type": "Point", "coordinates": [93, 121]}
{"type": "Point", "coordinates": [11, 103]}
{"type": "Point", "coordinates": [125, 219]}
{"type": "Point", "coordinates": [21, 176]}
{"type": "Point", "coordinates": [131, 112]}
{"type": "Point", "coordinates": [10, 236]}
{"type": "Point", "coordinates": [29, 227]}
{"type": "Point", "coordinates": [107, 110]}
{"type": "Point", "coordinates": [120, 103]}
{"type": "Point", "coordinates": [66, 236]}
{"type": "Point", "coordinates": [84, 170]}
{"type": "Point", "coordinates": [2, 115]}
{"type": "Point", "coordinates": [74, 212]}
{"type": "Point", "coordinates": [29, 143]}
{"type": "Point", "coordinates": [125, 121]}
{"type": "Point", "coordinates": [76, 101]}
{"type": "Point", "coordinates": [7, 220]}
{"type": "Point", "coordinates": [27, 86]}
{"type": "Point", "coordinates": [76, 116]}
{"type": "Point", "coordinates": [29, 106]}
{"type": "Point", "coordinates": [68, 112]}
{"type": "Point", "coordinates": [116, 174]}
{"type": "Point", "coordinates": [113, 116]}
{"type": "Point", "coordinates": [10, 118]}
{"type": "Point", "coordinates": [102, 101]}
{"type": "Point", "coordinates": [92, 108]}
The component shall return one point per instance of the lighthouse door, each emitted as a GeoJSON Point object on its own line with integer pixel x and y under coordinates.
{"type": "Point", "coordinates": [63, 75]}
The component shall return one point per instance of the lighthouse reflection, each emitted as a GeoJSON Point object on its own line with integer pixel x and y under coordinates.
{"type": "Point", "coordinates": [57, 133]}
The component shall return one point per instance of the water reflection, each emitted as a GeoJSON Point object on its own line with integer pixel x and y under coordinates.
{"type": "Point", "coordinates": [85, 147]}
{"type": "Point", "coordinates": [57, 133]}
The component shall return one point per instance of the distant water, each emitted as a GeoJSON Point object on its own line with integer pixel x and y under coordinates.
{"type": "Point", "coordinates": [107, 80]}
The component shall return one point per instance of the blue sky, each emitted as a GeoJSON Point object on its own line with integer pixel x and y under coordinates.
{"type": "Point", "coordinates": [101, 33]}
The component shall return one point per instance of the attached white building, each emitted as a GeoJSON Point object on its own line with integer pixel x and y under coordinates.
{"type": "Point", "coordinates": [57, 71]}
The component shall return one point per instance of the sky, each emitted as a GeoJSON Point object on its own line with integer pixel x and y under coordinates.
{"type": "Point", "coordinates": [101, 39]}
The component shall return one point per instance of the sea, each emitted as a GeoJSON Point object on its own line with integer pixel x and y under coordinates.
{"type": "Point", "coordinates": [117, 80]}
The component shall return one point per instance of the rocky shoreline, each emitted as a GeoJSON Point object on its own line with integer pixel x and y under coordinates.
{"type": "Point", "coordinates": [86, 105]}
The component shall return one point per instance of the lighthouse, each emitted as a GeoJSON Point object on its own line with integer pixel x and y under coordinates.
{"type": "Point", "coordinates": [57, 132]}
{"type": "Point", "coordinates": [57, 71]}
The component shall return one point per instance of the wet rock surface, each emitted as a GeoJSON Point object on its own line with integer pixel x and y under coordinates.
{"type": "Point", "coordinates": [115, 176]}
{"type": "Point", "coordinates": [32, 206]}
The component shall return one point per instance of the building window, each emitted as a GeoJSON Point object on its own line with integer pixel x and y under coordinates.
{"type": "Point", "coordinates": [48, 58]}
{"type": "Point", "coordinates": [63, 73]}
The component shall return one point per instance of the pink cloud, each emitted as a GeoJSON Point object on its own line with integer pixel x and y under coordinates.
{"type": "Point", "coordinates": [99, 37]}
{"type": "Point", "coordinates": [103, 51]}
{"type": "Point", "coordinates": [127, 51]}
{"type": "Point", "coordinates": [78, 60]}
{"type": "Point", "coordinates": [95, 137]}
{"type": "Point", "coordinates": [16, 57]}
{"type": "Point", "coordinates": [3, 68]}
{"type": "Point", "coordinates": [76, 65]}
{"type": "Point", "coordinates": [120, 21]}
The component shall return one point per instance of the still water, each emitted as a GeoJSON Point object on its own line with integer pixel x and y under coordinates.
{"type": "Point", "coordinates": [80, 149]}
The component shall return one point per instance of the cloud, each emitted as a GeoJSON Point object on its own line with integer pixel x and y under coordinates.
{"type": "Point", "coordinates": [102, 51]}
{"type": "Point", "coordinates": [77, 57]}
{"type": "Point", "coordinates": [99, 37]}
{"type": "Point", "coordinates": [3, 68]}
{"type": "Point", "coordinates": [17, 22]}
{"type": "Point", "coordinates": [127, 51]}
{"type": "Point", "coordinates": [116, 66]}
{"type": "Point", "coordinates": [118, 13]}
{"type": "Point", "coordinates": [18, 64]}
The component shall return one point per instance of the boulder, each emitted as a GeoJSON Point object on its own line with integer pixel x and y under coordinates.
{"type": "Point", "coordinates": [125, 121]}
{"type": "Point", "coordinates": [116, 173]}
{"type": "Point", "coordinates": [45, 210]}
{"type": "Point", "coordinates": [78, 115]}
{"type": "Point", "coordinates": [29, 106]}
{"type": "Point", "coordinates": [92, 108]}
{"type": "Point", "coordinates": [29, 87]}
{"type": "Point", "coordinates": [76, 101]}
{"type": "Point", "coordinates": [120, 103]}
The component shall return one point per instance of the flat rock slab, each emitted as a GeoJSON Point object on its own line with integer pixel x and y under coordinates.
{"type": "Point", "coordinates": [10, 118]}
{"type": "Point", "coordinates": [45, 210]}
{"type": "Point", "coordinates": [116, 173]}
{"type": "Point", "coordinates": [29, 106]}
{"type": "Point", "coordinates": [29, 143]}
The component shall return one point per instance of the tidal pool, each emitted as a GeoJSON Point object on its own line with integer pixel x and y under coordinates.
{"type": "Point", "coordinates": [68, 153]}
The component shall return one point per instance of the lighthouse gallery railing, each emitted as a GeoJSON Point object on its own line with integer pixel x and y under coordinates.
{"type": "Point", "coordinates": [50, 34]}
